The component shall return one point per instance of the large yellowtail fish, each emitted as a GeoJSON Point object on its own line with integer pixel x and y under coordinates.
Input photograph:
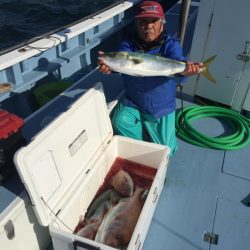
{"type": "Point", "coordinates": [142, 64]}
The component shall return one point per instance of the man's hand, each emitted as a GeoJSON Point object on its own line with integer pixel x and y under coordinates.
{"type": "Point", "coordinates": [102, 66]}
{"type": "Point", "coordinates": [192, 69]}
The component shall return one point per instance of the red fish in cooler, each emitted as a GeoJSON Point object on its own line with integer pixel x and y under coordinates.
{"type": "Point", "coordinates": [122, 183]}
{"type": "Point", "coordinates": [119, 223]}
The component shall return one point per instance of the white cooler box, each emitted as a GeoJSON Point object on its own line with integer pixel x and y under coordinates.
{"type": "Point", "coordinates": [63, 167]}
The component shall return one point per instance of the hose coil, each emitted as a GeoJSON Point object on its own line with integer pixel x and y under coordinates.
{"type": "Point", "coordinates": [239, 135]}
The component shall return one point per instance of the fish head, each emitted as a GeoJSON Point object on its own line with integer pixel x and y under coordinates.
{"type": "Point", "coordinates": [121, 58]}
{"type": "Point", "coordinates": [122, 183]}
{"type": "Point", "coordinates": [114, 57]}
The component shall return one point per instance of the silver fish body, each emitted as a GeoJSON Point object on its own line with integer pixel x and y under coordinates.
{"type": "Point", "coordinates": [107, 220]}
{"type": "Point", "coordinates": [142, 64]}
{"type": "Point", "coordinates": [100, 203]}
{"type": "Point", "coordinates": [96, 212]}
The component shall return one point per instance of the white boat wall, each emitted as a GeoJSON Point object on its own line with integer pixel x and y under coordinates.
{"type": "Point", "coordinates": [62, 55]}
{"type": "Point", "coordinates": [231, 68]}
{"type": "Point", "coordinates": [205, 201]}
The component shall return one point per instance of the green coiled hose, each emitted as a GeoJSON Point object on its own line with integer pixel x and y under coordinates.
{"type": "Point", "coordinates": [239, 135]}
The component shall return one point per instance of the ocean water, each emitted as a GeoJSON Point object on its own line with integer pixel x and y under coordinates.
{"type": "Point", "coordinates": [21, 20]}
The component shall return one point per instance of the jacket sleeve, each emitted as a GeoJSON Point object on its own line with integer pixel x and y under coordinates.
{"type": "Point", "coordinates": [173, 50]}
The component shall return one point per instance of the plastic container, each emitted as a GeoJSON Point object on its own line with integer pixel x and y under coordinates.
{"type": "Point", "coordinates": [10, 125]}
{"type": "Point", "coordinates": [10, 140]}
{"type": "Point", "coordinates": [48, 91]}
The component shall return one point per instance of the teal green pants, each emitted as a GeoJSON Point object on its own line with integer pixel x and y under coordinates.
{"type": "Point", "coordinates": [130, 122]}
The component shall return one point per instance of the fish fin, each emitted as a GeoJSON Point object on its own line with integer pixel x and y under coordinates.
{"type": "Point", "coordinates": [205, 70]}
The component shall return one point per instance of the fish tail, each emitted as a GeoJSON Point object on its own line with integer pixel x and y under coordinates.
{"type": "Point", "coordinates": [205, 70]}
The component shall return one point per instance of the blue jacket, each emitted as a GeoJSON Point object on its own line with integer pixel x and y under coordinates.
{"type": "Point", "coordinates": [153, 95]}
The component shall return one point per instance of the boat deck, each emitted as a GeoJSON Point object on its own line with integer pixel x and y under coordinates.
{"type": "Point", "coordinates": [206, 190]}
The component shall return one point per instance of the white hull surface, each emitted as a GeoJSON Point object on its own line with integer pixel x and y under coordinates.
{"type": "Point", "coordinates": [19, 228]}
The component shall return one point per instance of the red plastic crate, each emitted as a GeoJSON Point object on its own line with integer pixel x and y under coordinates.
{"type": "Point", "coordinates": [9, 124]}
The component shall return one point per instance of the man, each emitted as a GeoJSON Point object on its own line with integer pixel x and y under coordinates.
{"type": "Point", "coordinates": [147, 111]}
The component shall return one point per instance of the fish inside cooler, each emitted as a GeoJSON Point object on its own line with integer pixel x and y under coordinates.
{"type": "Point", "coordinates": [146, 165]}
{"type": "Point", "coordinates": [65, 169]}
{"type": "Point", "coordinates": [112, 215]}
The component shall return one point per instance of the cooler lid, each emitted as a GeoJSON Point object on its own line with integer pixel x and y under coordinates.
{"type": "Point", "coordinates": [9, 124]}
{"type": "Point", "coordinates": [61, 153]}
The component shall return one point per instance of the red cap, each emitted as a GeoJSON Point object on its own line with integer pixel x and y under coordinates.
{"type": "Point", "coordinates": [149, 9]}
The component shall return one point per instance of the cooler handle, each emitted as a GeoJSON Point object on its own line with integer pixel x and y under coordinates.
{"type": "Point", "coordinates": [155, 195]}
{"type": "Point", "coordinates": [84, 246]}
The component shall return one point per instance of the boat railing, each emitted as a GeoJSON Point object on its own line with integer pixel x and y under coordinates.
{"type": "Point", "coordinates": [62, 53]}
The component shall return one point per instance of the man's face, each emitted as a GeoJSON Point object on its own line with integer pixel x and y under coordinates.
{"type": "Point", "coordinates": [149, 29]}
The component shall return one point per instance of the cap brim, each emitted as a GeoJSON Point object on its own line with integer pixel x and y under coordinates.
{"type": "Point", "coordinates": [149, 15]}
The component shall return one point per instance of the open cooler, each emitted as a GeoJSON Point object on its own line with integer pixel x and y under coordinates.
{"type": "Point", "coordinates": [66, 163]}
